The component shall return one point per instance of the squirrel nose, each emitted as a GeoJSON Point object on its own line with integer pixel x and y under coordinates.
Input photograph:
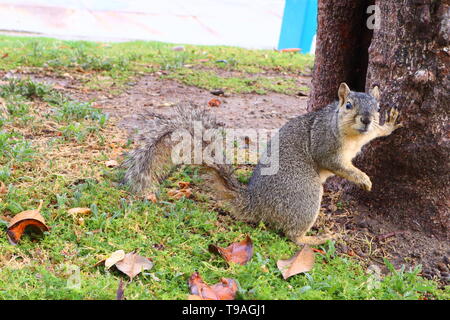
{"type": "Point", "coordinates": [365, 120]}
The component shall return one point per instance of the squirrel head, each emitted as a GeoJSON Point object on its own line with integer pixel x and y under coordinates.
{"type": "Point", "coordinates": [359, 112]}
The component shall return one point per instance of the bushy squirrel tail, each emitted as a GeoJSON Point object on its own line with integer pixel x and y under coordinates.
{"type": "Point", "coordinates": [151, 162]}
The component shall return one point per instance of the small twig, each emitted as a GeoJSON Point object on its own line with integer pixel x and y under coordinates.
{"type": "Point", "coordinates": [388, 235]}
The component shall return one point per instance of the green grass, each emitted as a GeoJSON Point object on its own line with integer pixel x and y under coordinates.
{"type": "Point", "coordinates": [39, 269]}
{"type": "Point", "coordinates": [211, 80]}
{"type": "Point", "coordinates": [101, 66]}
{"type": "Point", "coordinates": [54, 148]}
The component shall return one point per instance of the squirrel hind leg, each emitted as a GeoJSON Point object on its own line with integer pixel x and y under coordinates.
{"type": "Point", "coordinates": [300, 238]}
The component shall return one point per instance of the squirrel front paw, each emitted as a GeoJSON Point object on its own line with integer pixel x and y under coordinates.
{"type": "Point", "coordinates": [364, 182]}
{"type": "Point", "coordinates": [390, 124]}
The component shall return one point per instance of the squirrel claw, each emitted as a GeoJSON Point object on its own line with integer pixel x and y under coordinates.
{"type": "Point", "coordinates": [366, 187]}
{"type": "Point", "coordinates": [365, 184]}
{"type": "Point", "coordinates": [393, 116]}
{"type": "Point", "coordinates": [390, 124]}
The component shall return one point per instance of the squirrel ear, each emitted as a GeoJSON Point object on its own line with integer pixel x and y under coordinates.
{"type": "Point", "coordinates": [375, 92]}
{"type": "Point", "coordinates": [343, 92]}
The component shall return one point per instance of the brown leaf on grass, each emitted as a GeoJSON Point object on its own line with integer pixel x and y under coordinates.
{"type": "Point", "coordinates": [199, 289]}
{"type": "Point", "coordinates": [77, 211]}
{"type": "Point", "coordinates": [152, 197]}
{"type": "Point", "coordinates": [3, 188]}
{"type": "Point", "coordinates": [5, 55]}
{"type": "Point", "coordinates": [186, 192]}
{"type": "Point", "coordinates": [302, 261]}
{"type": "Point", "coordinates": [238, 252]}
{"type": "Point", "coordinates": [178, 194]}
{"type": "Point", "coordinates": [30, 220]}
{"type": "Point", "coordinates": [214, 102]}
{"type": "Point", "coordinates": [115, 257]}
{"type": "Point", "coordinates": [183, 184]}
{"type": "Point", "coordinates": [133, 264]}
{"type": "Point", "coordinates": [224, 290]}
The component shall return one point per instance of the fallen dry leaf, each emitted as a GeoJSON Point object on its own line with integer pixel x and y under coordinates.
{"type": "Point", "coordinates": [77, 211]}
{"type": "Point", "coordinates": [199, 289]}
{"type": "Point", "coordinates": [214, 102]}
{"type": "Point", "coordinates": [115, 257]}
{"type": "Point", "coordinates": [111, 163]}
{"type": "Point", "coordinates": [238, 252]}
{"type": "Point", "coordinates": [224, 290]}
{"type": "Point", "coordinates": [302, 261]}
{"type": "Point", "coordinates": [152, 197]}
{"type": "Point", "coordinates": [25, 221]}
{"type": "Point", "coordinates": [133, 264]}
{"type": "Point", "coordinates": [3, 188]}
{"type": "Point", "coordinates": [183, 184]}
{"type": "Point", "coordinates": [178, 194]}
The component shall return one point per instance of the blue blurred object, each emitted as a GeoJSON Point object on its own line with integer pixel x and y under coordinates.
{"type": "Point", "coordinates": [299, 25]}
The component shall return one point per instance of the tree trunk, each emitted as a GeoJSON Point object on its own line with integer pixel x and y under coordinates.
{"type": "Point", "coordinates": [409, 59]}
{"type": "Point", "coordinates": [341, 49]}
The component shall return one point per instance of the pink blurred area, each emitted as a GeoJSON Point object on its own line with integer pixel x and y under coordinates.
{"type": "Point", "coordinates": [244, 23]}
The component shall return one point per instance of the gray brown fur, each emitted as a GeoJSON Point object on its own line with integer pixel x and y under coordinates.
{"type": "Point", "coordinates": [311, 148]}
{"type": "Point", "coordinates": [151, 162]}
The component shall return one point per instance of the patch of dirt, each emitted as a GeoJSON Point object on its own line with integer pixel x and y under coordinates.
{"type": "Point", "coordinates": [406, 246]}
{"type": "Point", "coordinates": [363, 231]}
{"type": "Point", "coordinates": [236, 110]}
{"type": "Point", "coordinates": [366, 235]}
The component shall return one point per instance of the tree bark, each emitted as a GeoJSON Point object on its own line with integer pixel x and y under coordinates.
{"type": "Point", "coordinates": [342, 44]}
{"type": "Point", "coordinates": [409, 58]}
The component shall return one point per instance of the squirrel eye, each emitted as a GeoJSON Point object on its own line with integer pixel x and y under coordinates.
{"type": "Point", "coordinates": [349, 105]}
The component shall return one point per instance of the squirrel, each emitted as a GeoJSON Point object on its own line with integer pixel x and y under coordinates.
{"type": "Point", "coordinates": [312, 147]}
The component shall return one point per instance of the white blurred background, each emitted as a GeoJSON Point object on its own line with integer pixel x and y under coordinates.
{"type": "Point", "coordinates": [244, 23]}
